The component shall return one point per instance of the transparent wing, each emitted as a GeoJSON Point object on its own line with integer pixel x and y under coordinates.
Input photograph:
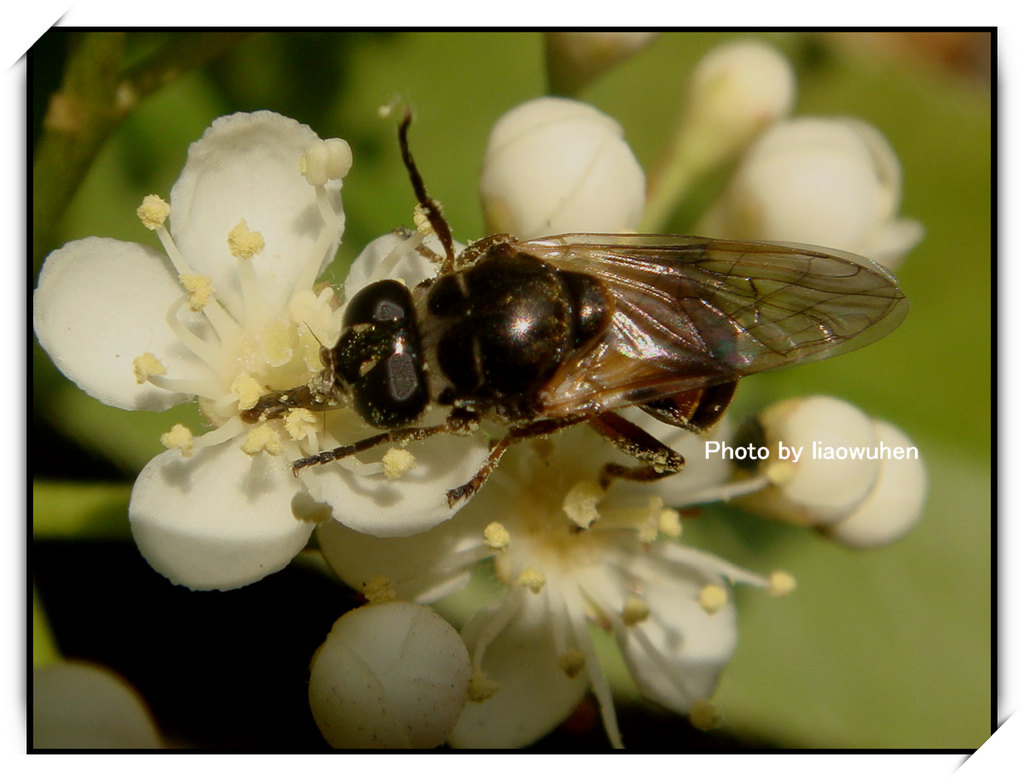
{"type": "Point", "coordinates": [692, 312]}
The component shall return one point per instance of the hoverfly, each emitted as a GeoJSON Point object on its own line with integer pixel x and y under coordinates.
{"type": "Point", "coordinates": [547, 333]}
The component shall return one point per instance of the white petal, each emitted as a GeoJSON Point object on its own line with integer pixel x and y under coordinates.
{"type": "Point", "coordinates": [79, 705]}
{"type": "Point", "coordinates": [392, 257]}
{"type": "Point", "coordinates": [390, 675]}
{"type": "Point", "coordinates": [535, 695]}
{"type": "Point", "coordinates": [246, 166]}
{"type": "Point", "coordinates": [409, 504]}
{"type": "Point", "coordinates": [677, 652]}
{"type": "Point", "coordinates": [219, 519]}
{"type": "Point", "coordinates": [100, 304]}
{"type": "Point", "coordinates": [419, 568]}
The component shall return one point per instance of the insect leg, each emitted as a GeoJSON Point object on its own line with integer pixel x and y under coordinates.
{"type": "Point", "coordinates": [538, 428]}
{"type": "Point", "coordinates": [659, 459]}
{"type": "Point", "coordinates": [453, 425]}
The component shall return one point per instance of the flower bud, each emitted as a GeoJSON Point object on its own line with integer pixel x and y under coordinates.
{"type": "Point", "coordinates": [805, 489]}
{"type": "Point", "coordinates": [830, 182]}
{"type": "Point", "coordinates": [894, 504]}
{"type": "Point", "coordinates": [553, 166]}
{"type": "Point", "coordinates": [574, 59]}
{"type": "Point", "coordinates": [736, 91]}
{"type": "Point", "coordinates": [389, 675]}
{"type": "Point", "coordinates": [858, 480]}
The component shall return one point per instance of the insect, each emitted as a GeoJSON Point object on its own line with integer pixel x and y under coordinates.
{"type": "Point", "coordinates": [547, 333]}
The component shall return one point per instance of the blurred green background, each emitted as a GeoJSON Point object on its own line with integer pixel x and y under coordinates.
{"type": "Point", "coordinates": [879, 649]}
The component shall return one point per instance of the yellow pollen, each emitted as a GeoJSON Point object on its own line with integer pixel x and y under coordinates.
{"type": "Point", "coordinates": [572, 662]}
{"type": "Point", "coordinates": [147, 365]}
{"type": "Point", "coordinates": [396, 462]}
{"type": "Point", "coordinates": [669, 523]}
{"type": "Point", "coordinates": [581, 502]}
{"type": "Point", "coordinates": [199, 288]}
{"type": "Point", "coordinates": [780, 583]}
{"type": "Point", "coordinates": [481, 688]}
{"type": "Point", "coordinates": [780, 472]}
{"type": "Point", "coordinates": [496, 536]}
{"type": "Point", "coordinates": [244, 243]}
{"type": "Point", "coordinates": [712, 598]}
{"type": "Point", "coordinates": [379, 590]}
{"type": "Point", "coordinates": [247, 390]}
{"type": "Point", "coordinates": [421, 221]}
{"type": "Point", "coordinates": [180, 438]}
{"type": "Point", "coordinates": [635, 611]}
{"type": "Point", "coordinates": [262, 437]}
{"type": "Point", "coordinates": [300, 423]}
{"type": "Point", "coordinates": [704, 717]}
{"type": "Point", "coordinates": [153, 212]}
{"type": "Point", "coordinates": [532, 579]}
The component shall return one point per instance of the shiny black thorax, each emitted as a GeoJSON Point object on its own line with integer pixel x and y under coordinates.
{"type": "Point", "coordinates": [485, 339]}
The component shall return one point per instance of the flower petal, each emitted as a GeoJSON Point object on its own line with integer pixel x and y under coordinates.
{"type": "Point", "coordinates": [217, 520]}
{"type": "Point", "coordinates": [246, 166]}
{"type": "Point", "coordinates": [676, 653]}
{"type": "Point", "coordinates": [412, 503]}
{"type": "Point", "coordinates": [392, 257]}
{"type": "Point", "coordinates": [99, 304]}
{"type": "Point", "coordinates": [422, 567]}
{"type": "Point", "coordinates": [535, 695]}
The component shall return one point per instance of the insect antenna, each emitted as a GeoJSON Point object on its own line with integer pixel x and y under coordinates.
{"type": "Point", "coordinates": [430, 207]}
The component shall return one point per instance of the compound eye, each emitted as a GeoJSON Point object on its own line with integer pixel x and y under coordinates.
{"type": "Point", "coordinates": [387, 301]}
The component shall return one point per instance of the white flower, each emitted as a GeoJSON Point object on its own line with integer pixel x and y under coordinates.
{"type": "Point", "coordinates": [554, 166]}
{"type": "Point", "coordinates": [736, 91]}
{"type": "Point", "coordinates": [389, 675]}
{"type": "Point", "coordinates": [229, 314]}
{"type": "Point", "coordinates": [568, 555]}
{"type": "Point", "coordinates": [830, 182]}
{"type": "Point", "coordinates": [860, 481]}
{"type": "Point", "coordinates": [80, 705]}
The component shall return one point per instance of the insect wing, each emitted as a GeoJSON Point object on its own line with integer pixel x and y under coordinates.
{"type": "Point", "coordinates": [692, 312]}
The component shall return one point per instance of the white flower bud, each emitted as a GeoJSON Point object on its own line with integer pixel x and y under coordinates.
{"type": "Point", "coordinates": [736, 91]}
{"type": "Point", "coordinates": [807, 488]}
{"type": "Point", "coordinates": [574, 59]}
{"type": "Point", "coordinates": [80, 705]}
{"type": "Point", "coordinates": [389, 675]}
{"type": "Point", "coordinates": [559, 166]}
{"type": "Point", "coordinates": [830, 182]}
{"type": "Point", "coordinates": [894, 505]}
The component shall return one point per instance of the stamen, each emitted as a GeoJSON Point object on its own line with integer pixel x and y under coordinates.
{"type": "Point", "coordinates": [207, 353]}
{"type": "Point", "coordinates": [635, 611]}
{"type": "Point", "coordinates": [244, 243]}
{"type": "Point", "coordinates": [481, 688]}
{"type": "Point", "coordinates": [386, 267]}
{"type": "Point", "coordinates": [532, 579]}
{"type": "Point", "coordinates": [247, 390]}
{"type": "Point", "coordinates": [180, 438]}
{"type": "Point", "coordinates": [781, 583]}
{"type": "Point", "coordinates": [669, 523]}
{"type": "Point", "coordinates": [497, 536]}
{"type": "Point", "coordinates": [712, 598]}
{"type": "Point", "coordinates": [147, 366]}
{"type": "Point", "coordinates": [397, 461]}
{"type": "Point", "coordinates": [153, 212]}
{"type": "Point", "coordinates": [379, 589]}
{"type": "Point", "coordinates": [572, 662]}
{"type": "Point", "coordinates": [727, 491]}
{"type": "Point", "coordinates": [261, 438]}
{"type": "Point", "coordinates": [581, 502]}
{"type": "Point", "coordinates": [199, 289]}
{"type": "Point", "coordinates": [300, 423]}
{"type": "Point", "coordinates": [231, 429]}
